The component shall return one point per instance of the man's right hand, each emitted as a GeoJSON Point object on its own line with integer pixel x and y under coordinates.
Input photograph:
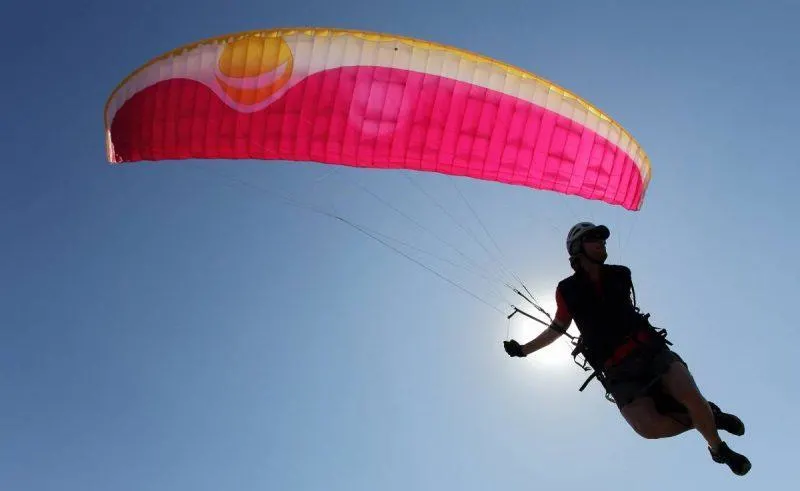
{"type": "Point", "coordinates": [513, 348]}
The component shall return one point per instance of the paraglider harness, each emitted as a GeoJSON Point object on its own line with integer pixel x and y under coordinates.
{"type": "Point", "coordinates": [645, 339]}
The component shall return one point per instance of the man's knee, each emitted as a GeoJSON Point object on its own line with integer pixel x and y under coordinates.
{"type": "Point", "coordinates": [653, 427]}
{"type": "Point", "coordinates": [649, 431]}
{"type": "Point", "coordinates": [644, 419]}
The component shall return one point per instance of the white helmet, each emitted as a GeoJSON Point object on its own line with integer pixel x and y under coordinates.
{"type": "Point", "coordinates": [579, 231]}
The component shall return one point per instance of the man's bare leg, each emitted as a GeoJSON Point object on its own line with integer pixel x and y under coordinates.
{"type": "Point", "coordinates": [643, 417]}
{"type": "Point", "coordinates": [680, 384]}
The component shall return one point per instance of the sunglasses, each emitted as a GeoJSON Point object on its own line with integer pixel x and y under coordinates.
{"type": "Point", "coordinates": [594, 238]}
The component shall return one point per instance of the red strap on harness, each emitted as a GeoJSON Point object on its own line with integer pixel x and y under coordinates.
{"type": "Point", "coordinates": [633, 342]}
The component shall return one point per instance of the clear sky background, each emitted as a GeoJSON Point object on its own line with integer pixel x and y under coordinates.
{"type": "Point", "coordinates": [174, 326]}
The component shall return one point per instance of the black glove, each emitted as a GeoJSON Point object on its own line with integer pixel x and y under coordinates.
{"type": "Point", "coordinates": [513, 348]}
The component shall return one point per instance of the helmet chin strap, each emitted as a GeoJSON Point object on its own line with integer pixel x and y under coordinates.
{"type": "Point", "coordinates": [589, 258]}
{"type": "Point", "coordinates": [593, 261]}
{"type": "Point", "coordinates": [575, 261]}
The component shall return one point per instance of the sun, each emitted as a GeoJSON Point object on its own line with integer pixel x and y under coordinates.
{"type": "Point", "coordinates": [557, 355]}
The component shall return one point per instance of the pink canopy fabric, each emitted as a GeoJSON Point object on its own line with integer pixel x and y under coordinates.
{"type": "Point", "coordinates": [372, 101]}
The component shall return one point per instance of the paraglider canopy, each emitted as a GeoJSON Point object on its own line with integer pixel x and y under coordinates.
{"type": "Point", "coordinates": [372, 100]}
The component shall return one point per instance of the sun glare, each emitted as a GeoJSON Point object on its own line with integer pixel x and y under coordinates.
{"type": "Point", "coordinates": [556, 356]}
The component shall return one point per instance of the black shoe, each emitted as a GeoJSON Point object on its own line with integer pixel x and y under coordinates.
{"type": "Point", "coordinates": [727, 422]}
{"type": "Point", "coordinates": [738, 463]}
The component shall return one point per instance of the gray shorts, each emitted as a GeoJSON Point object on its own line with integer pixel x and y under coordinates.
{"type": "Point", "coordinates": [639, 374]}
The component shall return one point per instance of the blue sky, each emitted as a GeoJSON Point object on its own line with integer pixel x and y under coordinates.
{"type": "Point", "coordinates": [175, 326]}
